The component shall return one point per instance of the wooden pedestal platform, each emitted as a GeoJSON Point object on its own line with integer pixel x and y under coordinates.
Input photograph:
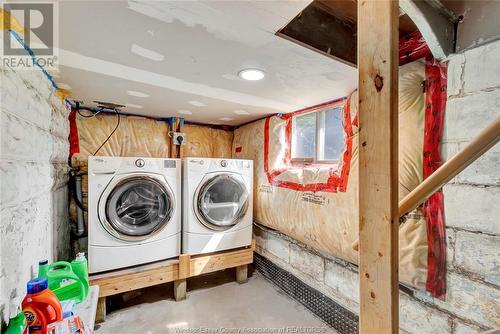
{"type": "Point", "coordinates": [175, 270]}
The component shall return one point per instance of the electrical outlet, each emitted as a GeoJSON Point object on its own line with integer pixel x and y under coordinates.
{"type": "Point", "coordinates": [179, 138]}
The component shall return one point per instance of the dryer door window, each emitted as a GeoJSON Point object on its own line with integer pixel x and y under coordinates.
{"type": "Point", "coordinates": [138, 207]}
{"type": "Point", "coordinates": [221, 201]}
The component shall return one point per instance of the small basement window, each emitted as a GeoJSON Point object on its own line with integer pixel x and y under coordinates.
{"type": "Point", "coordinates": [318, 136]}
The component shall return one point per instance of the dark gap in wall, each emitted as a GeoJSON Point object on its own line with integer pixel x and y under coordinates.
{"type": "Point", "coordinates": [317, 29]}
{"type": "Point", "coordinates": [330, 28]}
{"type": "Point", "coordinates": [335, 315]}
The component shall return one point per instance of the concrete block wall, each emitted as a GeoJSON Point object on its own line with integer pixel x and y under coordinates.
{"type": "Point", "coordinates": [33, 181]}
{"type": "Point", "coordinates": [471, 199]}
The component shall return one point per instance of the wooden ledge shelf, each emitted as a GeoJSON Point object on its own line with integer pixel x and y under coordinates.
{"type": "Point", "coordinates": [174, 270]}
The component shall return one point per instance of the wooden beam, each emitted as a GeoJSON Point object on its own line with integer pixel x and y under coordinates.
{"type": "Point", "coordinates": [203, 264]}
{"type": "Point", "coordinates": [488, 138]}
{"type": "Point", "coordinates": [135, 278]}
{"type": "Point", "coordinates": [378, 165]}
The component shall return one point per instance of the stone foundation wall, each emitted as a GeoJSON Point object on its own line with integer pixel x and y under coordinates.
{"type": "Point", "coordinates": [33, 181]}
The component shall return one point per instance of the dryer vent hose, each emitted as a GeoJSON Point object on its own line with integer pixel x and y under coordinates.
{"type": "Point", "coordinates": [79, 229]}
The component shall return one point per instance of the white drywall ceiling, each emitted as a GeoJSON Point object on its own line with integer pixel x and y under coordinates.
{"type": "Point", "coordinates": [184, 56]}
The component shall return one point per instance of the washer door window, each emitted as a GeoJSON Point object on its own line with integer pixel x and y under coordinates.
{"type": "Point", "coordinates": [138, 207]}
{"type": "Point", "coordinates": [221, 201]}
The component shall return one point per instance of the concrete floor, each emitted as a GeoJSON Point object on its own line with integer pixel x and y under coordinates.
{"type": "Point", "coordinates": [216, 304]}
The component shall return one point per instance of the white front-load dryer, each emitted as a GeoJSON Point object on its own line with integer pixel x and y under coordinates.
{"type": "Point", "coordinates": [134, 211]}
{"type": "Point", "coordinates": [217, 204]}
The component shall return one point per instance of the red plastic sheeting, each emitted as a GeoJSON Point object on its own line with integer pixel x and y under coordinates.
{"type": "Point", "coordinates": [412, 47]}
{"type": "Point", "coordinates": [336, 181]}
{"type": "Point", "coordinates": [74, 142]}
{"type": "Point", "coordinates": [435, 105]}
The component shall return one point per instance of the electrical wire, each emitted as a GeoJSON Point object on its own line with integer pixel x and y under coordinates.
{"type": "Point", "coordinates": [112, 132]}
{"type": "Point", "coordinates": [93, 113]}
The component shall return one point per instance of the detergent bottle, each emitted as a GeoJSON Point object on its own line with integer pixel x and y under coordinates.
{"type": "Point", "coordinates": [40, 306]}
{"type": "Point", "coordinates": [80, 268]}
{"type": "Point", "coordinates": [69, 281]}
{"type": "Point", "coordinates": [43, 268]}
{"type": "Point", "coordinates": [17, 325]}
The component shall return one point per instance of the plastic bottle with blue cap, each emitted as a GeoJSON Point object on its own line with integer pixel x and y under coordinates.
{"type": "Point", "coordinates": [40, 306]}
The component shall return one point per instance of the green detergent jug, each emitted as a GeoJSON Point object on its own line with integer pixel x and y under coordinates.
{"type": "Point", "coordinates": [17, 325]}
{"type": "Point", "coordinates": [80, 268]}
{"type": "Point", "coordinates": [68, 281]}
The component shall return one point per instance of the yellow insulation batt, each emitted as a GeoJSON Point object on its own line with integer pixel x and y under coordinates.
{"type": "Point", "coordinates": [144, 137]}
{"type": "Point", "coordinates": [328, 220]}
{"type": "Point", "coordinates": [206, 142]}
{"type": "Point", "coordinates": [135, 137]}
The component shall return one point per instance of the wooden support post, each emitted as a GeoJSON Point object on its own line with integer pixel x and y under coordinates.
{"type": "Point", "coordinates": [100, 315]}
{"type": "Point", "coordinates": [180, 285]}
{"type": "Point", "coordinates": [378, 165]}
{"type": "Point", "coordinates": [242, 274]}
{"type": "Point", "coordinates": [180, 288]}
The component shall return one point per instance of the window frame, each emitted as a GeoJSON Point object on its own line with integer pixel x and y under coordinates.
{"type": "Point", "coordinates": [319, 145]}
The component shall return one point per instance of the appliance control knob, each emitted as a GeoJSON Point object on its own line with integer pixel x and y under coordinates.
{"type": "Point", "coordinates": [223, 163]}
{"type": "Point", "coordinates": [140, 163]}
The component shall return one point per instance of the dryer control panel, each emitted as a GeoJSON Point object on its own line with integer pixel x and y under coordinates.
{"type": "Point", "coordinates": [210, 165]}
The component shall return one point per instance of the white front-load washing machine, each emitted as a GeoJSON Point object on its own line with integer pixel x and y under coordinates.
{"type": "Point", "coordinates": [217, 204]}
{"type": "Point", "coordinates": [134, 211]}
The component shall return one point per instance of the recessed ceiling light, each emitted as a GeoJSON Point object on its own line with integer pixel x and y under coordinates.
{"type": "Point", "coordinates": [185, 112]}
{"type": "Point", "coordinates": [251, 74]}
{"type": "Point", "coordinates": [241, 112]}
{"type": "Point", "coordinates": [197, 103]}
{"type": "Point", "coordinates": [136, 94]}
{"type": "Point", "coordinates": [226, 119]}
{"type": "Point", "coordinates": [131, 105]}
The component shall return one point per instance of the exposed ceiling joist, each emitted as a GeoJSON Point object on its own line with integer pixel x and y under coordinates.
{"type": "Point", "coordinates": [436, 26]}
